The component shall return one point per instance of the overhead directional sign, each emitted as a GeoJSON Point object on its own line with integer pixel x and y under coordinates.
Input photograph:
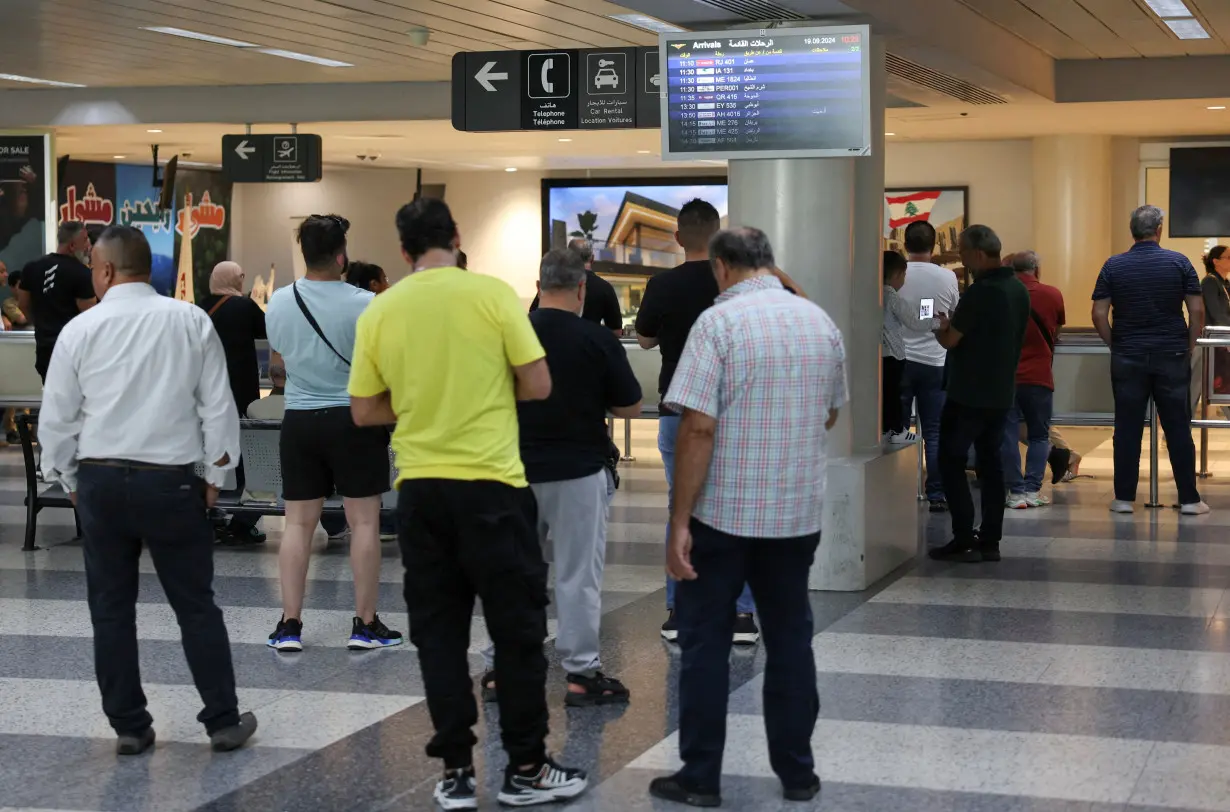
{"type": "Point", "coordinates": [593, 89]}
{"type": "Point", "coordinates": [291, 158]}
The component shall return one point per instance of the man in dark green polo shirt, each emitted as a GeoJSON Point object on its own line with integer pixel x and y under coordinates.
{"type": "Point", "coordinates": [983, 340]}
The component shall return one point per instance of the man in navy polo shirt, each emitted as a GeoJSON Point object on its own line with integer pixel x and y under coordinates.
{"type": "Point", "coordinates": [1150, 354]}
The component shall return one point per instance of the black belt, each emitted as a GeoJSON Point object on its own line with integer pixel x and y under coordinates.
{"type": "Point", "coordinates": [187, 468]}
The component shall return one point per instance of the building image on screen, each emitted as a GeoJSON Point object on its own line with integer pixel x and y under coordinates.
{"type": "Point", "coordinates": [631, 224]}
{"type": "Point", "coordinates": [799, 92]}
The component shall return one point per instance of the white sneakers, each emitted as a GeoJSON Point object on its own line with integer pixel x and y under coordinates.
{"type": "Point", "coordinates": [1194, 509]}
{"type": "Point", "coordinates": [900, 437]}
{"type": "Point", "coordinates": [1023, 501]}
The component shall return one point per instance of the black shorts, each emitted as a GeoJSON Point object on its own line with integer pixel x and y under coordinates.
{"type": "Point", "coordinates": [323, 452]}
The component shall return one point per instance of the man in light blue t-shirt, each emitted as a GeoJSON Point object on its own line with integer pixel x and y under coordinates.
{"type": "Point", "coordinates": [311, 325]}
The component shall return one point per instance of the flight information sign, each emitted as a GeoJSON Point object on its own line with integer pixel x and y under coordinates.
{"type": "Point", "coordinates": [776, 93]}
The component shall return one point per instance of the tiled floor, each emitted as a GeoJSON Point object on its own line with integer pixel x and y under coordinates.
{"type": "Point", "coordinates": [1087, 672]}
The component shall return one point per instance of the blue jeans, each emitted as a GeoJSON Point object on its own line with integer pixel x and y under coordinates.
{"type": "Point", "coordinates": [778, 570]}
{"type": "Point", "coordinates": [668, 433]}
{"type": "Point", "coordinates": [926, 385]}
{"type": "Point", "coordinates": [1165, 377]}
{"type": "Point", "coordinates": [1033, 407]}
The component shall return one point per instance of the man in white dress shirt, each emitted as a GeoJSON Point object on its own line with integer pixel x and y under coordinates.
{"type": "Point", "coordinates": [137, 393]}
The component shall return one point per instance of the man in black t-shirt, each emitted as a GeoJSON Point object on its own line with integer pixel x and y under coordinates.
{"type": "Point", "coordinates": [601, 300]}
{"type": "Point", "coordinates": [564, 446]}
{"type": "Point", "coordinates": [672, 302]}
{"type": "Point", "coordinates": [55, 288]}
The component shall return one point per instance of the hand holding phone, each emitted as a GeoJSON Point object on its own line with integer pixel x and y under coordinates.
{"type": "Point", "coordinates": [926, 309]}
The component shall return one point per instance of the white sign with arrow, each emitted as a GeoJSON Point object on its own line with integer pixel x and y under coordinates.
{"type": "Point", "coordinates": [485, 77]}
{"type": "Point", "coordinates": [244, 150]}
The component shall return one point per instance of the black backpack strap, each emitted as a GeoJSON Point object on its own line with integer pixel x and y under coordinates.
{"type": "Point", "coordinates": [1046, 333]}
{"type": "Point", "coordinates": [307, 314]}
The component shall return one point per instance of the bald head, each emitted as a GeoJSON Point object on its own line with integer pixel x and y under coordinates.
{"type": "Point", "coordinates": [125, 250]}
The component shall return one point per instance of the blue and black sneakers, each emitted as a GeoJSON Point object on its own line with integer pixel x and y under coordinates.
{"type": "Point", "coordinates": [288, 636]}
{"type": "Point", "coordinates": [364, 636]}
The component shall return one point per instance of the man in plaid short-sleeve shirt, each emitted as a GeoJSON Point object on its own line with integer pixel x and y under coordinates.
{"type": "Point", "coordinates": [759, 386]}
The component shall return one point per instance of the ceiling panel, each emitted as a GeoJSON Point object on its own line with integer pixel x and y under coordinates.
{"type": "Point", "coordinates": [1031, 27]}
{"type": "Point", "coordinates": [1139, 28]}
{"type": "Point", "coordinates": [109, 48]}
{"type": "Point", "coordinates": [1071, 17]}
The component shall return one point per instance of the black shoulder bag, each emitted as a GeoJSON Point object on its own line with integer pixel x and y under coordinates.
{"type": "Point", "coordinates": [307, 314]}
{"type": "Point", "coordinates": [1046, 333]}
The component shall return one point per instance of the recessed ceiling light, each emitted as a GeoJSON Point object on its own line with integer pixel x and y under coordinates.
{"type": "Point", "coordinates": [153, 131]}
{"type": "Point", "coordinates": [511, 169]}
{"type": "Point", "coordinates": [315, 60]}
{"type": "Point", "coordinates": [644, 21]}
{"type": "Point", "coordinates": [1187, 29]}
{"type": "Point", "coordinates": [1217, 107]}
{"type": "Point", "coordinates": [565, 140]}
{"type": "Point", "coordinates": [890, 133]}
{"type": "Point", "coordinates": [119, 157]}
{"type": "Point", "coordinates": [13, 77]}
{"type": "Point", "coordinates": [1169, 8]}
{"type": "Point", "coordinates": [643, 152]}
{"type": "Point", "coordinates": [186, 34]}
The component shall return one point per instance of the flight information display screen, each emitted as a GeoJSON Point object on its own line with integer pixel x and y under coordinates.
{"type": "Point", "coordinates": [779, 93]}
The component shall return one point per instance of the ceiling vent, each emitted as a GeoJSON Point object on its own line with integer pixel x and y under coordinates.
{"type": "Point", "coordinates": [950, 86]}
{"type": "Point", "coordinates": [759, 10]}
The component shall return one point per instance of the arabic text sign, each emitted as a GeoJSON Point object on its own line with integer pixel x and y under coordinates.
{"type": "Point", "coordinates": [787, 93]}
{"type": "Point", "coordinates": [283, 158]}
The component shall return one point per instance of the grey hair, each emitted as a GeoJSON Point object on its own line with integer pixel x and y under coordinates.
{"type": "Point", "coordinates": [561, 270]}
{"type": "Point", "coordinates": [132, 255]}
{"type": "Point", "coordinates": [1026, 262]}
{"type": "Point", "coordinates": [68, 231]}
{"type": "Point", "coordinates": [982, 238]}
{"type": "Point", "coordinates": [746, 249]}
{"type": "Point", "coordinates": [584, 248]}
{"type": "Point", "coordinates": [1147, 222]}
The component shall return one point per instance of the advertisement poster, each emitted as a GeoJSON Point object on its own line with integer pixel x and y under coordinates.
{"type": "Point", "coordinates": [87, 194]}
{"type": "Point", "coordinates": [630, 224]}
{"type": "Point", "coordinates": [25, 178]}
{"type": "Point", "coordinates": [137, 205]}
{"type": "Point", "coordinates": [202, 229]}
{"type": "Point", "coordinates": [945, 207]}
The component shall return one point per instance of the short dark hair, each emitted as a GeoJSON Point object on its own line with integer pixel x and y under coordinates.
{"type": "Point", "coordinates": [134, 257]}
{"type": "Point", "coordinates": [894, 264]}
{"type": "Point", "coordinates": [321, 238]}
{"type": "Point", "coordinates": [425, 224]}
{"type": "Point", "coordinates": [920, 237]}
{"type": "Point", "coordinates": [982, 238]}
{"type": "Point", "coordinates": [68, 231]}
{"type": "Point", "coordinates": [584, 248]}
{"type": "Point", "coordinates": [698, 221]}
{"type": "Point", "coordinates": [95, 231]}
{"type": "Point", "coordinates": [744, 249]}
{"type": "Point", "coordinates": [1215, 253]}
{"type": "Point", "coordinates": [363, 274]}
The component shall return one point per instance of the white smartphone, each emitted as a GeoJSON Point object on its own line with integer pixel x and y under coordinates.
{"type": "Point", "coordinates": [926, 309]}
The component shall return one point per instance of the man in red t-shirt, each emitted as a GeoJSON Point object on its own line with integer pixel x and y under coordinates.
{"type": "Point", "coordinates": [1035, 388]}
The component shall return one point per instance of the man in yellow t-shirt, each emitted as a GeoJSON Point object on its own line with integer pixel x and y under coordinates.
{"type": "Point", "coordinates": [445, 355]}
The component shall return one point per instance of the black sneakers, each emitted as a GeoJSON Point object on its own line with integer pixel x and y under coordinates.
{"type": "Point", "coordinates": [670, 629]}
{"type": "Point", "coordinates": [134, 744]}
{"type": "Point", "coordinates": [546, 784]}
{"type": "Point", "coordinates": [747, 633]}
{"type": "Point", "coordinates": [673, 788]}
{"type": "Point", "coordinates": [457, 790]}
{"type": "Point", "coordinates": [365, 636]}
{"type": "Point", "coordinates": [974, 552]}
{"type": "Point", "coordinates": [288, 636]}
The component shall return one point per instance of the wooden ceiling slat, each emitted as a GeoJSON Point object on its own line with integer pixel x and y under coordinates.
{"type": "Point", "coordinates": [495, 16]}
{"type": "Point", "coordinates": [1143, 30]}
{"type": "Point", "coordinates": [1216, 14]}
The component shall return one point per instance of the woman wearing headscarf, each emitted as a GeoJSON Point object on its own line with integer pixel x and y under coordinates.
{"type": "Point", "coordinates": [239, 322]}
{"type": "Point", "coordinates": [1214, 290]}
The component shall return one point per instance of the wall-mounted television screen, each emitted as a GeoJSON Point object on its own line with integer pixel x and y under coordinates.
{"type": "Point", "coordinates": [1199, 192]}
{"type": "Point", "coordinates": [630, 221]}
{"type": "Point", "coordinates": [776, 93]}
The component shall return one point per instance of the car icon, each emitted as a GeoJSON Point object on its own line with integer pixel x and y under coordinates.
{"type": "Point", "coordinates": [607, 77]}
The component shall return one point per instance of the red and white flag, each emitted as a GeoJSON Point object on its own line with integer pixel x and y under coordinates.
{"type": "Point", "coordinates": [910, 208]}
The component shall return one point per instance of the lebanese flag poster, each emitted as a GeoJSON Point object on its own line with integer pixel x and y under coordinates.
{"type": "Point", "coordinates": [910, 208]}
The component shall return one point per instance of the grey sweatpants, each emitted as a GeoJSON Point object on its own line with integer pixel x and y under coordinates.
{"type": "Point", "coordinates": [573, 514]}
